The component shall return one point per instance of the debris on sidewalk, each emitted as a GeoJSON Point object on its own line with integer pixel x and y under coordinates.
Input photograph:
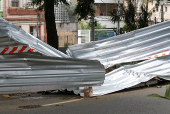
{"type": "Point", "coordinates": [32, 65]}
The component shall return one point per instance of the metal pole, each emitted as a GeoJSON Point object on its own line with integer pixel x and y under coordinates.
{"type": "Point", "coordinates": [118, 23]}
{"type": "Point", "coordinates": [162, 14]}
{"type": "Point", "coordinates": [92, 29]}
{"type": "Point", "coordinates": [155, 20]}
{"type": "Point", "coordinates": [67, 41]}
{"type": "Point", "coordinates": [37, 25]}
{"type": "Point", "coordinates": [92, 26]}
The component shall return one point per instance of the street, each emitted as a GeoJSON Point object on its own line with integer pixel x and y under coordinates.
{"type": "Point", "coordinates": [131, 101]}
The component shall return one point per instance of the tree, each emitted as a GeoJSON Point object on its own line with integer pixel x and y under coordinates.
{"type": "Point", "coordinates": [143, 17]}
{"type": "Point", "coordinates": [48, 7]}
{"type": "Point", "coordinates": [129, 16]}
{"type": "Point", "coordinates": [83, 8]}
{"type": "Point", "coordinates": [116, 16]}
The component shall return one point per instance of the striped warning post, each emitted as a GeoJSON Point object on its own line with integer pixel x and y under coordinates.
{"type": "Point", "coordinates": [15, 49]}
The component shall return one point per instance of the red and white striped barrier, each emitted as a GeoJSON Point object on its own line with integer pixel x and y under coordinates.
{"type": "Point", "coordinates": [15, 49]}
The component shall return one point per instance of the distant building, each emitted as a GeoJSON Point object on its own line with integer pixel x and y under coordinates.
{"type": "Point", "coordinates": [156, 15]}
{"type": "Point", "coordinates": [158, 12]}
{"type": "Point", "coordinates": [66, 24]}
{"type": "Point", "coordinates": [102, 12]}
{"type": "Point", "coordinates": [22, 14]}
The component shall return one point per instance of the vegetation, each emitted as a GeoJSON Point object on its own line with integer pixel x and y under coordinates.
{"type": "Point", "coordinates": [144, 17]}
{"type": "Point", "coordinates": [84, 8]}
{"type": "Point", "coordinates": [129, 16]}
{"type": "Point", "coordinates": [132, 21]}
{"type": "Point", "coordinates": [166, 96]}
{"type": "Point", "coordinates": [86, 26]}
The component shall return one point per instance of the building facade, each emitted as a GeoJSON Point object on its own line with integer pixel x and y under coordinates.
{"type": "Point", "coordinates": [66, 24]}
{"type": "Point", "coordinates": [22, 14]}
{"type": "Point", "coordinates": [103, 9]}
{"type": "Point", "coordinates": [162, 11]}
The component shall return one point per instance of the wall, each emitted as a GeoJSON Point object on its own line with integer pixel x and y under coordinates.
{"type": "Point", "coordinates": [72, 38]}
{"type": "Point", "coordinates": [69, 30]}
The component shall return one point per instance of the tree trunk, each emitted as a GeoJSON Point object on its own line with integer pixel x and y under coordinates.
{"type": "Point", "coordinates": [52, 37]}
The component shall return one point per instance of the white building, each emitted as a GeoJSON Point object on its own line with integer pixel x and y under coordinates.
{"type": "Point", "coordinates": [157, 14]}
{"type": "Point", "coordinates": [102, 12]}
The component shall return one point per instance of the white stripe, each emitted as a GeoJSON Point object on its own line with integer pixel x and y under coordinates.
{"type": "Point", "coordinates": [63, 102]}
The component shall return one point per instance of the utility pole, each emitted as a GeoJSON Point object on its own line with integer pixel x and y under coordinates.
{"type": "Point", "coordinates": [92, 29]}
{"type": "Point", "coordinates": [118, 22]}
{"type": "Point", "coordinates": [155, 20]}
{"type": "Point", "coordinates": [38, 16]}
{"type": "Point", "coordinates": [92, 26]}
{"type": "Point", "coordinates": [162, 13]}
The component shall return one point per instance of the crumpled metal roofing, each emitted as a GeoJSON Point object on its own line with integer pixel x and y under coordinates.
{"type": "Point", "coordinates": [12, 36]}
{"type": "Point", "coordinates": [146, 43]}
{"type": "Point", "coordinates": [26, 72]}
{"type": "Point", "coordinates": [40, 68]}
{"type": "Point", "coordinates": [131, 75]}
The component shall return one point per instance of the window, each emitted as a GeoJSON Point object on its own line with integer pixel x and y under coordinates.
{"type": "Point", "coordinates": [102, 9]}
{"type": "Point", "coordinates": [33, 30]}
{"type": "Point", "coordinates": [165, 9]}
{"type": "Point", "coordinates": [15, 3]}
{"type": "Point", "coordinates": [61, 14]}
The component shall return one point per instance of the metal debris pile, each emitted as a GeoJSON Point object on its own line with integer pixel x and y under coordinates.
{"type": "Point", "coordinates": [29, 65]}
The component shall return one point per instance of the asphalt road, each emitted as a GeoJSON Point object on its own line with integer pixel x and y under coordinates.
{"type": "Point", "coordinates": [133, 101]}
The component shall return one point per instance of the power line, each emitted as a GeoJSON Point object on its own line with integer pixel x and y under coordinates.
{"type": "Point", "coordinates": [103, 2]}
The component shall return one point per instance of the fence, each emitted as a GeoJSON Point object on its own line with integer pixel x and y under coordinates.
{"type": "Point", "coordinates": [67, 40]}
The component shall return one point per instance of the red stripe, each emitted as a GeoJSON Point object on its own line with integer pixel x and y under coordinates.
{"type": "Point", "coordinates": [14, 49]}
{"type": "Point", "coordinates": [30, 50]}
{"type": "Point", "coordinates": [23, 48]}
{"type": "Point", "coordinates": [6, 49]}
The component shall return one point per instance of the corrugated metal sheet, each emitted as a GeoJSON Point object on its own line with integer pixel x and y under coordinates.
{"type": "Point", "coordinates": [13, 36]}
{"type": "Point", "coordinates": [136, 45]}
{"type": "Point", "coordinates": [129, 76]}
{"type": "Point", "coordinates": [36, 70]}
{"type": "Point", "coordinates": [30, 72]}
